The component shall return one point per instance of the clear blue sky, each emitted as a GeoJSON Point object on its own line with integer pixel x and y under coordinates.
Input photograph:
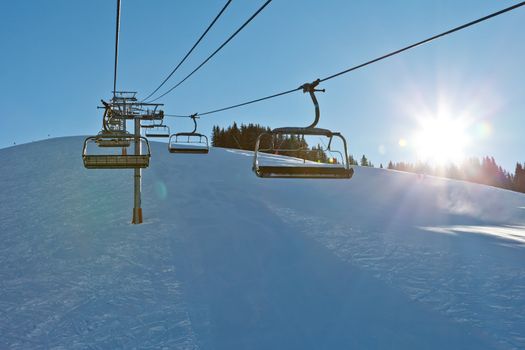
{"type": "Point", "coordinates": [57, 63]}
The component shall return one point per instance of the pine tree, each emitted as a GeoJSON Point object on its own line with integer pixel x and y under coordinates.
{"type": "Point", "coordinates": [215, 136]}
{"type": "Point", "coordinates": [364, 161]}
{"type": "Point", "coordinates": [351, 160]}
{"type": "Point", "coordinates": [519, 178]}
{"type": "Point", "coordinates": [245, 136]}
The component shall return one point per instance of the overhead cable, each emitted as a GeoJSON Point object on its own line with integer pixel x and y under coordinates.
{"type": "Point", "coordinates": [117, 31]}
{"type": "Point", "coordinates": [252, 101]}
{"type": "Point", "coordinates": [191, 50]}
{"type": "Point", "coordinates": [426, 40]}
{"type": "Point", "coordinates": [216, 51]}
{"type": "Point", "coordinates": [375, 59]}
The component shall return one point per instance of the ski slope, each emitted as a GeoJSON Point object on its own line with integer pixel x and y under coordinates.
{"type": "Point", "coordinates": [226, 260]}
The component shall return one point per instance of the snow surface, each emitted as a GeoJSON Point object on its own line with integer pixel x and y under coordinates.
{"type": "Point", "coordinates": [226, 260]}
{"type": "Point", "coordinates": [266, 159]}
{"type": "Point", "coordinates": [188, 145]}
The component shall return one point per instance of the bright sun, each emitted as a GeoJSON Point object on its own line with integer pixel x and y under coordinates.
{"type": "Point", "coordinates": [441, 140]}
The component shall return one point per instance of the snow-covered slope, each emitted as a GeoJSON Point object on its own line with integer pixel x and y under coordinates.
{"type": "Point", "coordinates": [226, 260]}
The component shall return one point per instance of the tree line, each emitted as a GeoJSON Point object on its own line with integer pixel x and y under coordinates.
{"type": "Point", "coordinates": [485, 171]}
{"type": "Point", "coordinates": [245, 136]}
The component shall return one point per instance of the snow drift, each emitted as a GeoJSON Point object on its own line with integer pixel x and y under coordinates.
{"type": "Point", "coordinates": [226, 260]}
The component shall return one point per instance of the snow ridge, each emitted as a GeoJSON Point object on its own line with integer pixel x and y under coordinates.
{"type": "Point", "coordinates": [227, 260]}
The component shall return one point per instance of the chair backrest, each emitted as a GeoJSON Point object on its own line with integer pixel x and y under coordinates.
{"type": "Point", "coordinates": [158, 131]}
{"type": "Point", "coordinates": [188, 142]}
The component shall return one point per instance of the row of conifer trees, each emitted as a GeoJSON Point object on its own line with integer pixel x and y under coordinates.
{"type": "Point", "coordinates": [245, 136]}
{"type": "Point", "coordinates": [485, 171]}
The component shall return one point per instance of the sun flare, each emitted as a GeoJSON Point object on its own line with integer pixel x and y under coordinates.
{"type": "Point", "coordinates": [441, 140]}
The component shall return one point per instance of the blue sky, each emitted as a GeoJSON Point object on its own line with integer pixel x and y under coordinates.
{"type": "Point", "coordinates": [57, 63]}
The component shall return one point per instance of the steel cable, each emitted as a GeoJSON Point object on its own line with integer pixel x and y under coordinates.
{"type": "Point", "coordinates": [375, 59]}
{"type": "Point", "coordinates": [216, 51]}
{"type": "Point", "coordinates": [191, 50]}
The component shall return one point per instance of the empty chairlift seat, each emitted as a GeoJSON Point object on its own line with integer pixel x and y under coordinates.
{"type": "Point", "coordinates": [186, 142]}
{"type": "Point", "coordinates": [189, 142]}
{"type": "Point", "coordinates": [284, 152]}
{"type": "Point", "coordinates": [157, 131]}
{"type": "Point", "coordinates": [295, 160]}
{"type": "Point", "coordinates": [123, 158]}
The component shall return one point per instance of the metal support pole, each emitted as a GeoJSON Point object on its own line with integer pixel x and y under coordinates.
{"type": "Point", "coordinates": [137, 210]}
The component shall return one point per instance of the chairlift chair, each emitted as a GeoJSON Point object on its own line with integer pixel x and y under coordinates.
{"type": "Point", "coordinates": [157, 131]}
{"type": "Point", "coordinates": [189, 142]}
{"type": "Point", "coordinates": [115, 161]}
{"type": "Point", "coordinates": [268, 166]}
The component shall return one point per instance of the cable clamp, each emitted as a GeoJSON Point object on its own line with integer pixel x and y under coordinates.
{"type": "Point", "coordinates": [311, 87]}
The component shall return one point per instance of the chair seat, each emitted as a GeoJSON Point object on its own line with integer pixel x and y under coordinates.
{"type": "Point", "coordinates": [189, 150]}
{"type": "Point", "coordinates": [157, 135]}
{"type": "Point", "coordinates": [304, 172]}
{"type": "Point", "coordinates": [116, 161]}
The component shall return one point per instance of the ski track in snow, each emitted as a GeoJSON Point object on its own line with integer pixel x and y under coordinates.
{"type": "Point", "coordinates": [476, 289]}
{"type": "Point", "coordinates": [90, 282]}
{"type": "Point", "coordinates": [110, 301]}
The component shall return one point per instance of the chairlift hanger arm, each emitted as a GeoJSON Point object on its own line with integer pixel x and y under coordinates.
{"type": "Point", "coordinates": [194, 118]}
{"type": "Point", "coordinates": [311, 89]}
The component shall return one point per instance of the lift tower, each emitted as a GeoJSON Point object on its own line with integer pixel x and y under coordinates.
{"type": "Point", "coordinates": [127, 108]}
{"type": "Point", "coordinates": [111, 145]}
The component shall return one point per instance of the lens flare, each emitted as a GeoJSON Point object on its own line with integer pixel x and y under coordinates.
{"type": "Point", "coordinates": [483, 130]}
{"type": "Point", "coordinates": [161, 190]}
